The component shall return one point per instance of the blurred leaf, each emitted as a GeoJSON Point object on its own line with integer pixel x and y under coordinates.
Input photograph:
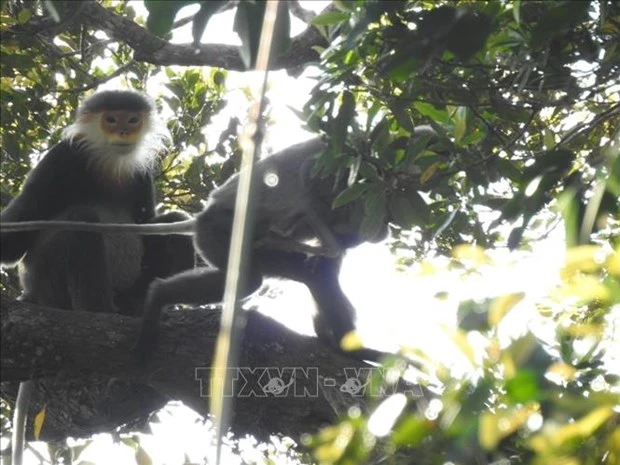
{"type": "Point", "coordinates": [584, 288]}
{"type": "Point", "coordinates": [24, 16]}
{"type": "Point", "coordinates": [460, 123]}
{"type": "Point", "coordinates": [460, 340]}
{"type": "Point", "coordinates": [143, 457]}
{"type": "Point", "coordinates": [162, 14]}
{"type": "Point", "coordinates": [562, 370]}
{"type": "Point", "coordinates": [585, 258]}
{"type": "Point", "coordinates": [502, 305]}
{"type": "Point", "coordinates": [202, 17]}
{"type": "Point", "coordinates": [342, 121]}
{"type": "Point", "coordinates": [411, 431]}
{"type": "Point", "coordinates": [374, 221]}
{"type": "Point", "coordinates": [39, 420]}
{"type": "Point", "coordinates": [472, 315]}
{"type": "Point", "coordinates": [468, 35]}
{"type": "Point", "coordinates": [429, 172]}
{"type": "Point", "coordinates": [350, 194]}
{"type": "Point", "coordinates": [555, 161]}
{"type": "Point", "coordinates": [561, 17]}
{"type": "Point", "coordinates": [568, 205]}
{"type": "Point", "coordinates": [613, 263]}
{"type": "Point", "coordinates": [329, 18]}
{"type": "Point", "coordinates": [408, 209]}
{"type": "Point", "coordinates": [248, 25]}
{"type": "Point", "coordinates": [580, 429]}
{"type": "Point", "coordinates": [429, 110]}
{"type": "Point", "coordinates": [523, 387]}
{"type": "Point", "coordinates": [471, 252]}
{"type": "Point", "coordinates": [496, 426]}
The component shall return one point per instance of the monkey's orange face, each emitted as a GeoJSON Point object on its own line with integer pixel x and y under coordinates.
{"type": "Point", "coordinates": [122, 128]}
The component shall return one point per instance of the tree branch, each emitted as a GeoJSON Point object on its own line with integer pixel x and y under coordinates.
{"type": "Point", "coordinates": [282, 376]}
{"type": "Point", "coordinates": [152, 49]}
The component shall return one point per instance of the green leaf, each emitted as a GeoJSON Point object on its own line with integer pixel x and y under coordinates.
{"type": "Point", "coordinates": [408, 209]}
{"type": "Point", "coordinates": [568, 205]}
{"type": "Point", "coordinates": [516, 11]}
{"type": "Point", "coordinates": [349, 194]}
{"type": "Point", "coordinates": [400, 110]}
{"type": "Point", "coordinates": [374, 222]}
{"type": "Point", "coordinates": [162, 14]}
{"type": "Point", "coordinates": [523, 387]}
{"type": "Point", "coordinates": [342, 121]}
{"type": "Point", "coordinates": [142, 457]}
{"type": "Point", "coordinates": [369, 171]}
{"type": "Point", "coordinates": [507, 168]}
{"type": "Point", "coordinates": [411, 431]}
{"type": "Point", "coordinates": [248, 25]}
{"type": "Point", "coordinates": [201, 19]}
{"type": "Point", "coordinates": [560, 18]}
{"type": "Point", "coordinates": [468, 35]}
{"type": "Point", "coordinates": [460, 123]}
{"type": "Point", "coordinates": [329, 18]}
{"type": "Point", "coordinates": [554, 161]}
{"type": "Point", "coordinates": [23, 16]}
{"type": "Point", "coordinates": [472, 315]}
{"type": "Point", "coordinates": [428, 109]}
{"type": "Point", "coordinates": [56, 9]}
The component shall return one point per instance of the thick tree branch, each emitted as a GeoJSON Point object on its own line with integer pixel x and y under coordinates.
{"type": "Point", "coordinates": [152, 49]}
{"type": "Point", "coordinates": [283, 376]}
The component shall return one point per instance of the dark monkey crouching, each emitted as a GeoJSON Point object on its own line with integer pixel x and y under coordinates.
{"type": "Point", "coordinates": [100, 172]}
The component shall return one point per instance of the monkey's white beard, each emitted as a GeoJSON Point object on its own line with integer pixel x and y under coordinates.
{"type": "Point", "coordinates": [115, 161]}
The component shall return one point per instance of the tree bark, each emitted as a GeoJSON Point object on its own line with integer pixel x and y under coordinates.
{"type": "Point", "coordinates": [89, 380]}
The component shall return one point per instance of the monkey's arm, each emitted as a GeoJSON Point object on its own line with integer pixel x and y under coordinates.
{"type": "Point", "coordinates": [144, 206]}
{"type": "Point", "coordinates": [324, 234]}
{"type": "Point", "coordinates": [275, 240]}
{"type": "Point", "coordinates": [309, 225]}
{"type": "Point", "coordinates": [46, 189]}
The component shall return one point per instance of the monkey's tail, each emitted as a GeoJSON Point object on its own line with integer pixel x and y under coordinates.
{"type": "Point", "coordinates": [186, 227]}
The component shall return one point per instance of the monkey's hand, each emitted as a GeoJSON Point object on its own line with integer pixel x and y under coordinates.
{"type": "Point", "coordinates": [149, 331]}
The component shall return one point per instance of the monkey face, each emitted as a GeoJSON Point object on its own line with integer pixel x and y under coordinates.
{"type": "Point", "coordinates": [122, 129]}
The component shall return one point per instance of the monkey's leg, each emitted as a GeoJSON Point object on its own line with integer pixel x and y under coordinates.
{"type": "Point", "coordinates": [201, 286]}
{"type": "Point", "coordinates": [164, 256]}
{"type": "Point", "coordinates": [335, 316]}
{"type": "Point", "coordinates": [68, 269]}
{"type": "Point", "coordinates": [86, 265]}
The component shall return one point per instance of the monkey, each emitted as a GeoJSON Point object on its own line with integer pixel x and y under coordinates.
{"type": "Point", "coordinates": [100, 172]}
{"type": "Point", "coordinates": [294, 207]}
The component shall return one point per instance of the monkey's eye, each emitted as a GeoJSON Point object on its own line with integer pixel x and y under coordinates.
{"type": "Point", "coordinates": [110, 119]}
{"type": "Point", "coordinates": [134, 120]}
